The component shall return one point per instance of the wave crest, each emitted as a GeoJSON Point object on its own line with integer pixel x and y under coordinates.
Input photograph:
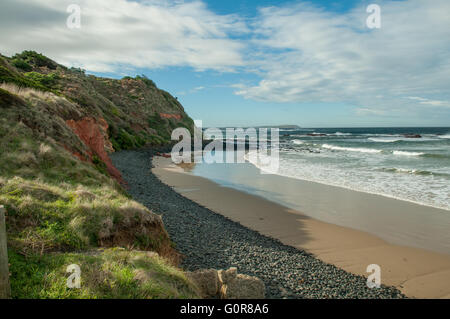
{"type": "Point", "coordinates": [351, 149]}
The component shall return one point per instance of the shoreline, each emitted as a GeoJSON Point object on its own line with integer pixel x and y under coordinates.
{"type": "Point", "coordinates": [209, 240]}
{"type": "Point", "coordinates": [416, 272]}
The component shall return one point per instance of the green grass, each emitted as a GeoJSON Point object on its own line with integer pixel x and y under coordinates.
{"type": "Point", "coordinates": [111, 273]}
{"type": "Point", "coordinates": [56, 202]}
{"type": "Point", "coordinates": [45, 80]}
{"type": "Point", "coordinates": [8, 76]}
{"type": "Point", "coordinates": [60, 209]}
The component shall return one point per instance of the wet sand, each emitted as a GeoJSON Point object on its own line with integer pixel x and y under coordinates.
{"type": "Point", "coordinates": [416, 272]}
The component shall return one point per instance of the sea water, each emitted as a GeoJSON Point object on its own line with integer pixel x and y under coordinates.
{"type": "Point", "coordinates": [401, 177]}
{"type": "Point", "coordinates": [411, 164]}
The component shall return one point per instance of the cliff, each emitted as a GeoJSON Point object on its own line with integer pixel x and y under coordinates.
{"type": "Point", "coordinates": [130, 112]}
{"type": "Point", "coordinates": [64, 198]}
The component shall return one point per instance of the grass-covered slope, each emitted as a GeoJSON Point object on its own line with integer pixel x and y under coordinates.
{"type": "Point", "coordinates": [111, 273]}
{"type": "Point", "coordinates": [61, 202]}
{"type": "Point", "coordinates": [135, 109]}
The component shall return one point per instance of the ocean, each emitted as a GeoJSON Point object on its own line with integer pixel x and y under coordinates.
{"type": "Point", "coordinates": [411, 164]}
{"type": "Point", "coordinates": [401, 177]}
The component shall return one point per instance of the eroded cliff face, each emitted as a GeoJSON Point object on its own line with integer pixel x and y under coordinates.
{"type": "Point", "coordinates": [57, 182]}
{"type": "Point", "coordinates": [170, 116]}
{"type": "Point", "coordinates": [93, 133]}
{"type": "Point", "coordinates": [136, 110]}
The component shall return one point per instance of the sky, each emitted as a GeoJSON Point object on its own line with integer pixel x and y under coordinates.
{"type": "Point", "coordinates": [244, 63]}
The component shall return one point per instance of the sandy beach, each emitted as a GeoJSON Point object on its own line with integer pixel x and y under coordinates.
{"type": "Point", "coordinates": [416, 272]}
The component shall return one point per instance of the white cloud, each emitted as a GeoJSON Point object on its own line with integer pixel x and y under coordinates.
{"type": "Point", "coordinates": [425, 101]}
{"type": "Point", "coordinates": [118, 34]}
{"type": "Point", "coordinates": [308, 54]}
{"type": "Point", "coordinates": [193, 90]}
{"type": "Point", "coordinates": [367, 111]}
{"type": "Point", "coordinates": [302, 53]}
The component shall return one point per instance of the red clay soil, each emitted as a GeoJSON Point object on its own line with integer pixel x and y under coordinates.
{"type": "Point", "coordinates": [170, 116]}
{"type": "Point", "coordinates": [163, 155]}
{"type": "Point", "coordinates": [93, 133]}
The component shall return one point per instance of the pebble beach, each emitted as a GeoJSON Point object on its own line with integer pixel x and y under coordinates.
{"type": "Point", "coordinates": [209, 240]}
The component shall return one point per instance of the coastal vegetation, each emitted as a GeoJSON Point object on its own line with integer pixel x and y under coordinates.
{"type": "Point", "coordinates": [65, 201]}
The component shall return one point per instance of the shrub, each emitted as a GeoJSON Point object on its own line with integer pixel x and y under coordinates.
{"type": "Point", "coordinates": [146, 80]}
{"type": "Point", "coordinates": [159, 124]}
{"type": "Point", "coordinates": [7, 99]}
{"type": "Point", "coordinates": [78, 70]}
{"type": "Point", "coordinates": [45, 80]}
{"type": "Point", "coordinates": [7, 76]}
{"type": "Point", "coordinates": [125, 140]}
{"type": "Point", "coordinates": [100, 165]}
{"type": "Point", "coordinates": [21, 64]}
{"type": "Point", "coordinates": [36, 59]}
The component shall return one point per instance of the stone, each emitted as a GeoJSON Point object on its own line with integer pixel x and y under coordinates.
{"type": "Point", "coordinates": [207, 281]}
{"type": "Point", "coordinates": [413, 136]}
{"type": "Point", "coordinates": [239, 286]}
{"type": "Point", "coordinates": [229, 275]}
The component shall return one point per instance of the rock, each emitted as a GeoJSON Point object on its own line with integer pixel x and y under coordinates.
{"type": "Point", "coordinates": [413, 136]}
{"type": "Point", "coordinates": [207, 281]}
{"type": "Point", "coordinates": [163, 155]}
{"type": "Point", "coordinates": [239, 286]}
{"type": "Point", "coordinates": [229, 275]}
{"type": "Point", "coordinates": [227, 284]}
{"type": "Point", "coordinates": [316, 134]}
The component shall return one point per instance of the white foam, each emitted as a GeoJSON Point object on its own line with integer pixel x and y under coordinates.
{"type": "Point", "coordinates": [405, 170]}
{"type": "Point", "coordinates": [351, 149]}
{"type": "Point", "coordinates": [342, 134]}
{"type": "Point", "coordinates": [404, 153]}
{"type": "Point", "coordinates": [422, 189]}
{"type": "Point", "coordinates": [298, 142]}
{"type": "Point", "coordinates": [446, 136]}
{"type": "Point", "coordinates": [403, 139]}
{"type": "Point", "coordinates": [384, 140]}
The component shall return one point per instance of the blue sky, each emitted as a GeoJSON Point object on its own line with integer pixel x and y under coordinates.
{"type": "Point", "coordinates": [242, 63]}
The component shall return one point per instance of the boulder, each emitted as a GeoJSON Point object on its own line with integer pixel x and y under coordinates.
{"type": "Point", "coordinates": [227, 284]}
{"type": "Point", "coordinates": [316, 134]}
{"type": "Point", "coordinates": [239, 286]}
{"type": "Point", "coordinates": [207, 281]}
{"type": "Point", "coordinates": [229, 275]}
{"type": "Point", "coordinates": [413, 136]}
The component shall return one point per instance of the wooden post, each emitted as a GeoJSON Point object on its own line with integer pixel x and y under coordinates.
{"type": "Point", "coordinates": [5, 288]}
